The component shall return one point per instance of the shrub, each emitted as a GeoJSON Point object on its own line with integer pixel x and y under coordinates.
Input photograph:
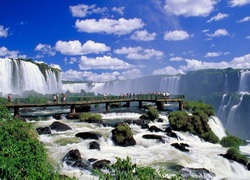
{"type": "Point", "coordinates": [88, 117]}
{"type": "Point", "coordinates": [151, 114]}
{"type": "Point", "coordinates": [125, 169]}
{"type": "Point", "coordinates": [231, 141]}
{"type": "Point", "coordinates": [210, 137]}
{"type": "Point", "coordinates": [234, 154]}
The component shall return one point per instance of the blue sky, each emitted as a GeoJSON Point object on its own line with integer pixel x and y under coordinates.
{"type": "Point", "coordinates": [103, 40]}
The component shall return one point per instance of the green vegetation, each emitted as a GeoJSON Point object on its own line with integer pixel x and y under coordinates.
{"type": "Point", "coordinates": [88, 117]}
{"type": "Point", "coordinates": [197, 123]}
{"type": "Point", "coordinates": [231, 141]}
{"type": "Point", "coordinates": [235, 154]}
{"type": "Point", "coordinates": [125, 169]}
{"type": "Point", "coordinates": [151, 113]}
{"type": "Point", "coordinates": [22, 156]}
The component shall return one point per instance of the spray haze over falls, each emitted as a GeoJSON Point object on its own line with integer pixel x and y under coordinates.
{"type": "Point", "coordinates": [228, 90]}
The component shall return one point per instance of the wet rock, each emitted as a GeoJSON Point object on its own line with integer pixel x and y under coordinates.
{"type": "Point", "coordinates": [181, 146]}
{"type": "Point", "coordinates": [43, 130]}
{"type": "Point", "coordinates": [88, 135]}
{"type": "Point", "coordinates": [144, 126]}
{"type": "Point", "coordinates": [94, 145]}
{"type": "Point", "coordinates": [154, 129]}
{"type": "Point", "coordinates": [58, 126]}
{"type": "Point", "coordinates": [100, 164]}
{"type": "Point", "coordinates": [57, 116]}
{"type": "Point", "coordinates": [122, 135]}
{"type": "Point", "coordinates": [153, 136]}
{"type": "Point", "coordinates": [73, 116]}
{"type": "Point", "coordinates": [26, 110]}
{"type": "Point", "coordinates": [73, 158]}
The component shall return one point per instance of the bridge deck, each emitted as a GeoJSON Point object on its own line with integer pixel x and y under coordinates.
{"type": "Point", "coordinates": [74, 101]}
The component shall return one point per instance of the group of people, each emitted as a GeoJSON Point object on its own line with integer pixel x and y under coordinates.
{"type": "Point", "coordinates": [56, 98]}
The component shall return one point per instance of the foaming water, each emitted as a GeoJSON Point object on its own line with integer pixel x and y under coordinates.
{"type": "Point", "coordinates": [146, 152]}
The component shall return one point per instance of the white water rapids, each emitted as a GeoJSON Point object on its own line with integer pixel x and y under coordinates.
{"type": "Point", "coordinates": [146, 152]}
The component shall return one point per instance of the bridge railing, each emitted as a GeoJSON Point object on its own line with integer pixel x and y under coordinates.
{"type": "Point", "coordinates": [72, 99]}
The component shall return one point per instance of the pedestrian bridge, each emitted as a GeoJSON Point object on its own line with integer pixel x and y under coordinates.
{"type": "Point", "coordinates": [74, 101]}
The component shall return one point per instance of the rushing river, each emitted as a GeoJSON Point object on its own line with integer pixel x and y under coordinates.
{"type": "Point", "coordinates": [203, 158]}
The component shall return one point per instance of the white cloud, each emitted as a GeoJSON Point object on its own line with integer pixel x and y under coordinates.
{"type": "Point", "coordinates": [242, 62]}
{"type": "Point", "coordinates": [218, 17]}
{"type": "Point", "coordinates": [105, 62]}
{"type": "Point", "coordinates": [248, 37]}
{"type": "Point", "coordinates": [55, 66]}
{"type": "Point", "coordinates": [3, 31]}
{"type": "Point", "coordinates": [140, 53]}
{"type": "Point", "coordinates": [213, 54]}
{"type": "Point", "coordinates": [109, 26]}
{"type": "Point", "coordinates": [176, 35]}
{"type": "Point", "coordinates": [4, 52]}
{"type": "Point", "coordinates": [218, 33]}
{"type": "Point", "coordinates": [120, 10]}
{"type": "Point", "coordinates": [190, 7]}
{"type": "Point", "coordinates": [71, 60]}
{"type": "Point", "coordinates": [104, 77]}
{"type": "Point", "coordinates": [130, 74]}
{"type": "Point", "coordinates": [76, 48]}
{"type": "Point", "coordinates": [245, 19]}
{"type": "Point", "coordinates": [143, 36]}
{"type": "Point", "coordinates": [169, 70]}
{"type": "Point", "coordinates": [235, 3]}
{"type": "Point", "coordinates": [82, 10]}
{"type": "Point", "coordinates": [176, 58]}
{"type": "Point", "coordinates": [45, 49]}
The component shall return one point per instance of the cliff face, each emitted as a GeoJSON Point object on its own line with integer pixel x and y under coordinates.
{"type": "Point", "coordinates": [17, 76]}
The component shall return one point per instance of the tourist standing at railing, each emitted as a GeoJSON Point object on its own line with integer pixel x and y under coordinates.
{"type": "Point", "coordinates": [9, 98]}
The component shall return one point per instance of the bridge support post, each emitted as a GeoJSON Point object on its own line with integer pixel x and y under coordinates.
{"type": "Point", "coordinates": [180, 105]}
{"type": "Point", "coordinates": [127, 104]}
{"type": "Point", "coordinates": [160, 105]}
{"type": "Point", "coordinates": [16, 111]}
{"type": "Point", "coordinates": [140, 104]}
{"type": "Point", "coordinates": [73, 108]}
{"type": "Point", "coordinates": [107, 106]}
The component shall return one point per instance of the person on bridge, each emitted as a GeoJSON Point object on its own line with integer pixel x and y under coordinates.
{"type": "Point", "coordinates": [9, 98]}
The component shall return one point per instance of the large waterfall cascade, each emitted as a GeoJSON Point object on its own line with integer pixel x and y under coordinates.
{"type": "Point", "coordinates": [17, 76]}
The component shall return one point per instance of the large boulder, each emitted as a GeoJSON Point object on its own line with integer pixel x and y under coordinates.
{"type": "Point", "coordinates": [94, 145]}
{"type": "Point", "coordinates": [83, 108]}
{"type": "Point", "coordinates": [58, 126]}
{"type": "Point", "coordinates": [153, 136]}
{"type": "Point", "coordinates": [88, 135]}
{"type": "Point", "coordinates": [122, 135]}
{"type": "Point", "coordinates": [43, 130]}
{"type": "Point", "coordinates": [73, 158]}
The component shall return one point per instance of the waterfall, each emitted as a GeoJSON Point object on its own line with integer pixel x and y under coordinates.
{"type": "Point", "coordinates": [244, 81]}
{"type": "Point", "coordinates": [17, 76]}
{"type": "Point", "coordinates": [141, 85]}
{"type": "Point", "coordinates": [170, 84]}
{"type": "Point", "coordinates": [231, 120]}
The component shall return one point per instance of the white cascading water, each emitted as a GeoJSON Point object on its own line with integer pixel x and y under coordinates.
{"type": "Point", "coordinates": [19, 76]}
{"type": "Point", "coordinates": [141, 85]}
{"type": "Point", "coordinates": [146, 152]}
{"type": "Point", "coordinates": [244, 81]}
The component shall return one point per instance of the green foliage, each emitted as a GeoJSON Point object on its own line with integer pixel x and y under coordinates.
{"type": "Point", "coordinates": [210, 137]}
{"type": "Point", "coordinates": [197, 123]}
{"type": "Point", "coordinates": [3, 100]}
{"type": "Point", "coordinates": [5, 114]}
{"type": "Point", "coordinates": [88, 117]}
{"type": "Point", "coordinates": [231, 141]}
{"type": "Point", "coordinates": [199, 105]}
{"type": "Point", "coordinates": [125, 169]}
{"type": "Point", "coordinates": [151, 113]}
{"type": "Point", "coordinates": [234, 154]}
{"type": "Point", "coordinates": [22, 156]}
